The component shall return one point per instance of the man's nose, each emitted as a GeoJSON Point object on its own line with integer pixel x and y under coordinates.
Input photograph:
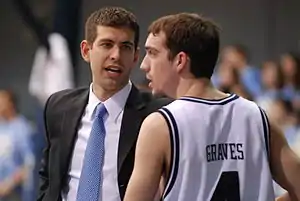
{"type": "Point", "coordinates": [115, 53]}
{"type": "Point", "coordinates": [145, 65]}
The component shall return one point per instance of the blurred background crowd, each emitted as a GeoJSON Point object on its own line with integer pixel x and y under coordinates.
{"type": "Point", "coordinates": [274, 86]}
{"type": "Point", "coordinates": [259, 60]}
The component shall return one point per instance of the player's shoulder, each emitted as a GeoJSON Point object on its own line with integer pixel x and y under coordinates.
{"type": "Point", "coordinates": [175, 105]}
{"type": "Point", "coordinates": [247, 107]}
{"type": "Point", "coordinates": [155, 123]}
{"type": "Point", "coordinates": [154, 118]}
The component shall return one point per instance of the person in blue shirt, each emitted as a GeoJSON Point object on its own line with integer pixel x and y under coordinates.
{"type": "Point", "coordinates": [236, 56]}
{"type": "Point", "coordinates": [16, 155]}
{"type": "Point", "coordinates": [290, 64]}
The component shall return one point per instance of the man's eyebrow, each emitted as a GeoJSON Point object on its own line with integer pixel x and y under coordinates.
{"type": "Point", "coordinates": [128, 43]}
{"type": "Point", "coordinates": [147, 48]}
{"type": "Point", "coordinates": [106, 40]}
{"type": "Point", "coordinates": [111, 41]}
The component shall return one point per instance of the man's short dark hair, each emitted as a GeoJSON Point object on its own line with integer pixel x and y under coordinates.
{"type": "Point", "coordinates": [113, 17]}
{"type": "Point", "coordinates": [197, 36]}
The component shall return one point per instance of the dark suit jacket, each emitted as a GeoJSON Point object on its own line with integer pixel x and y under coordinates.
{"type": "Point", "coordinates": [62, 116]}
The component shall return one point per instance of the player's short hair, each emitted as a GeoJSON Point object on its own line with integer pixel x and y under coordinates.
{"type": "Point", "coordinates": [193, 34]}
{"type": "Point", "coordinates": [114, 17]}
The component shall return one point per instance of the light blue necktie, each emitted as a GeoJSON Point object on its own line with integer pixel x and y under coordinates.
{"type": "Point", "coordinates": [90, 182]}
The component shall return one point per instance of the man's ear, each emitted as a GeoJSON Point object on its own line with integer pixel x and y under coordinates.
{"type": "Point", "coordinates": [85, 50]}
{"type": "Point", "coordinates": [181, 61]}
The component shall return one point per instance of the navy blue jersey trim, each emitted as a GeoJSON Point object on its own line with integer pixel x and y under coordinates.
{"type": "Point", "coordinates": [223, 101]}
{"type": "Point", "coordinates": [174, 140]}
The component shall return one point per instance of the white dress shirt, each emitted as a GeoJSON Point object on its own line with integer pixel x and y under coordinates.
{"type": "Point", "coordinates": [115, 108]}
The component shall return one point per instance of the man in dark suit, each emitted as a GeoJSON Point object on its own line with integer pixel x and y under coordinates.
{"type": "Point", "coordinates": [74, 166]}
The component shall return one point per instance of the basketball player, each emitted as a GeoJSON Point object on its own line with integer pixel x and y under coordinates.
{"type": "Point", "coordinates": [206, 145]}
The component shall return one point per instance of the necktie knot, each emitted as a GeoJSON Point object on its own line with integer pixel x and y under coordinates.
{"type": "Point", "coordinates": [100, 110]}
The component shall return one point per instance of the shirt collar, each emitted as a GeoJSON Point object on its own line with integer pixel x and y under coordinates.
{"type": "Point", "coordinates": [114, 105]}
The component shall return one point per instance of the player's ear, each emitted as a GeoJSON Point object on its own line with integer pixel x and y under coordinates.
{"type": "Point", "coordinates": [181, 60]}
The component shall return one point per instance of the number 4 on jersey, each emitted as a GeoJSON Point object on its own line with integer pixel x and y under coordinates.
{"type": "Point", "coordinates": [228, 188]}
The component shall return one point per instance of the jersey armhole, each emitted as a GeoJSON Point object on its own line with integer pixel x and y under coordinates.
{"type": "Point", "coordinates": [174, 141]}
{"type": "Point", "coordinates": [266, 130]}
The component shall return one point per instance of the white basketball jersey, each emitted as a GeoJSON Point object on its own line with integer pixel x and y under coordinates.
{"type": "Point", "coordinates": [220, 151]}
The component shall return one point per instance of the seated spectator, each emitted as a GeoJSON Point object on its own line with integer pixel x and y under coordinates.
{"type": "Point", "coordinates": [290, 63]}
{"type": "Point", "coordinates": [272, 83]}
{"type": "Point", "coordinates": [16, 156]}
{"type": "Point", "coordinates": [230, 82]}
{"type": "Point", "coordinates": [237, 57]}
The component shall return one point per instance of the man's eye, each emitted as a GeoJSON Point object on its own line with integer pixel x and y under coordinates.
{"type": "Point", "coordinates": [127, 47]}
{"type": "Point", "coordinates": [150, 52]}
{"type": "Point", "coordinates": [106, 45]}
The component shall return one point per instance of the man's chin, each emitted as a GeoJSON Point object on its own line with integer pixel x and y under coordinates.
{"type": "Point", "coordinates": [158, 94]}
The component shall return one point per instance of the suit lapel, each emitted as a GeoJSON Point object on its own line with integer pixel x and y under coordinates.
{"type": "Point", "coordinates": [73, 111]}
{"type": "Point", "coordinates": [71, 121]}
{"type": "Point", "coordinates": [131, 121]}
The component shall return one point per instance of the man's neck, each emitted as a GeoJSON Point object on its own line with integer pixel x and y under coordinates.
{"type": "Point", "coordinates": [104, 94]}
{"type": "Point", "coordinates": [199, 88]}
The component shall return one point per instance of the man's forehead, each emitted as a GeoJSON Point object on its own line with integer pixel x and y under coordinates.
{"type": "Point", "coordinates": [115, 33]}
{"type": "Point", "coordinates": [157, 40]}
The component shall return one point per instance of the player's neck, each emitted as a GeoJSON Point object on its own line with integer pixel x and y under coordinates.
{"type": "Point", "coordinates": [199, 88]}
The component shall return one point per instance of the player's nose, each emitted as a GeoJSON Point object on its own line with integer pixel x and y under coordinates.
{"type": "Point", "coordinates": [145, 65]}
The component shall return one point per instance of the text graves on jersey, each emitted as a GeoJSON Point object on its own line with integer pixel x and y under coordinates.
{"type": "Point", "coordinates": [224, 151]}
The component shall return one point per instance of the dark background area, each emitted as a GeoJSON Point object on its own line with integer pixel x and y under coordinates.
{"type": "Point", "coordinates": [267, 27]}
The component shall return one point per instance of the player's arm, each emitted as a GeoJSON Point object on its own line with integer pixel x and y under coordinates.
{"type": "Point", "coordinates": [285, 165]}
{"type": "Point", "coordinates": [284, 197]}
{"type": "Point", "coordinates": [149, 163]}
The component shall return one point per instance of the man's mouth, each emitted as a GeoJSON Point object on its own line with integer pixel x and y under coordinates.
{"type": "Point", "coordinates": [149, 81]}
{"type": "Point", "coordinates": [114, 69]}
{"type": "Point", "coordinates": [148, 78]}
